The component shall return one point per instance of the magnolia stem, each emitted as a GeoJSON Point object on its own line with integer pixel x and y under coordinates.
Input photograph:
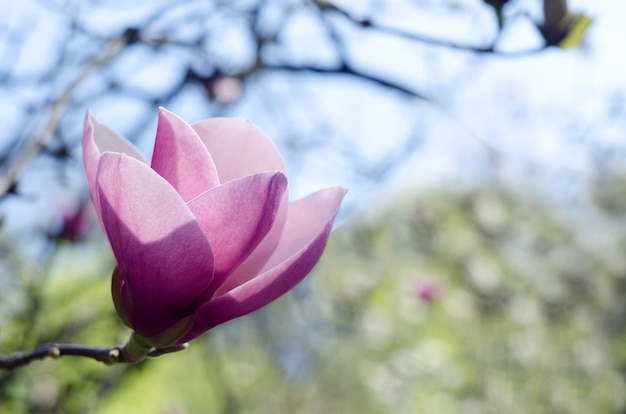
{"type": "Point", "coordinates": [136, 350]}
{"type": "Point", "coordinates": [107, 355]}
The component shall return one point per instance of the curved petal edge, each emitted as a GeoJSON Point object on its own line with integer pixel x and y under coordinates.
{"type": "Point", "coordinates": [274, 282]}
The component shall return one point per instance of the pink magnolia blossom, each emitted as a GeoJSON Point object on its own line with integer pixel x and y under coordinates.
{"type": "Point", "coordinates": [76, 222]}
{"type": "Point", "coordinates": [429, 290]}
{"type": "Point", "coordinates": [226, 89]}
{"type": "Point", "coordinates": [206, 232]}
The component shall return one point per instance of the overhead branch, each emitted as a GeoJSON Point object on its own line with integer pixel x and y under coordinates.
{"type": "Point", "coordinates": [58, 106]}
{"type": "Point", "coordinates": [348, 70]}
{"type": "Point", "coordinates": [490, 49]}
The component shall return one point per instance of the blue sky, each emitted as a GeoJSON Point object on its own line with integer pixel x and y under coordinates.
{"type": "Point", "coordinates": [549, 110]}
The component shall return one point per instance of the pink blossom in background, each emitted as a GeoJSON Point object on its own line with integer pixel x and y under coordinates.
{"type": "Point", "coordinates": [76, 223]}
{"type": "Point", "coordinates": [226, 89]}
{"type": "Point", "coordinates": [429, 290]}
{"type": "Point", "coordinates": [205, 233]}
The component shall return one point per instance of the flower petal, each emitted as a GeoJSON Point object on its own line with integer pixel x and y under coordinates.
{"type": "Point", "coordinates": [263, 252]}
{"type": "Point", "coordinates": [165, 260]}
{"type": "Point", "coordinates": [238, 148]}
{"type": "Point", "coordinates": [98, 138]}
{"type": "Point", "coordinates": [117, 286]}
{"type": "Point", "coordinates": [236, 216]}
{"type": "Point", "coordinates": [181, 158]}
{"type": "Point", "coordinates": [306, 232]}
{"type": "Point", "coordinates": [107, 140]}
{"type": "Point", "coordinates": [305, 218]}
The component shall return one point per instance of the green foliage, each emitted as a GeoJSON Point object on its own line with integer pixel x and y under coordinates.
{"type": "Point", "coordinates": [476, 301]}
{"type": "Point", "coordinates": [72, 306]}
{"type": "Point", "coordinates": [519, 321]}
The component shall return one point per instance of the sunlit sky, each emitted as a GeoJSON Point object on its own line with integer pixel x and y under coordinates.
{"type": "Point", "coordinates": [548, 109]}
{"type": "Point", "coordinates": [522, 107]}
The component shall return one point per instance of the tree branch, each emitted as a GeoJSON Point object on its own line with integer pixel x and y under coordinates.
{"type": "Point", "coordinates": [58, 107]}
{"type": "Point", "coordinates": [347, 70]}
{"type": "Point", "coordinates": [135, 350]}
{"type": "Point", "coordinates": [369, 24]}
{"type": "Point", "coordinates": [106, 355]}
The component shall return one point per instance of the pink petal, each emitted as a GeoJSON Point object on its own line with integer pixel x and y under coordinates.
{"type": "Point", "coordinates": [107, 140]}
{"type": "Point", "coordinates": [264, 251]}
{"type": "Point", "coordinates": [164, 258]}
{"type": "Point", "coordinates": [98, 138]}
{"type": "Point", "coordinates": [305, 218]}
{"type": "Point", "coordinates": [236, 216]}
{"type": "Point", "coordinates": [91, 158]}
{"type": "Point", "coordinates": [238, 148]}
{"type": "Point", "coordinates": [306, 232]}
{"type": "Point", "coordinates": [181, 158]}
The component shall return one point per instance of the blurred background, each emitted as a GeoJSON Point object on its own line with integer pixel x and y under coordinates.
{"type": "Point", "coordinates": [478, 265]}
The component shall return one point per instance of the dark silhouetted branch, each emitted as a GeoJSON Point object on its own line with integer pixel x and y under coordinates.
{"type": "Point", "coordinates": [106, 355]}
{"type": "Point", "coordinates": [57, 111]}
{"type": "Point", "coordinates": [136, 350]}
{"type": "Point", "coordinates": [393, 31]}
{"type": "Point", "coordinates": [347, 70]}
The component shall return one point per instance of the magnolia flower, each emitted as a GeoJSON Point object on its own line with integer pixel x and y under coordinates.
{"type": "Point", "coordinates": [204, 233]}
{"type": "Point", "coordinates": [429, 290]}
{"type": "Point", "coordinates": [226, 89]}
{"type": "Point", "coordinates": [75, 223]}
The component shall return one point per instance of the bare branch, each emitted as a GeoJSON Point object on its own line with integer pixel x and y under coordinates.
{"type": "Point", "coordinates": [135, 350]}
{"type": "Point", "coordinates": [348, 70]}
{"type": "Point", "coordinates": [369, 24]}
{"type": "Point", "coordinates": [58, 107]}
{"type": "Point", "coordinates": [105, 355]}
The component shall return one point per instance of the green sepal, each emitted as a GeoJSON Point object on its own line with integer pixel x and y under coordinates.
{"type": "Point", "coordinates": [136, 349]}
{"type": "Point", "coordinates": [168, 350]}
{"type": "Point", "coordinates": [173, 334]}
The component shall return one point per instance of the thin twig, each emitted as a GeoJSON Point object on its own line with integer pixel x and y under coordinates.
{"type": "Point", "coordinates": [136, 350]}
{"type": "Point", "coordinates": [58, 106]}
{"type": "Point", "coordinates": [347, 70]}
{"type": "Point", "coordinates": [393, 31]}
{"type": "Point", "coordinates": [107, 355]}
